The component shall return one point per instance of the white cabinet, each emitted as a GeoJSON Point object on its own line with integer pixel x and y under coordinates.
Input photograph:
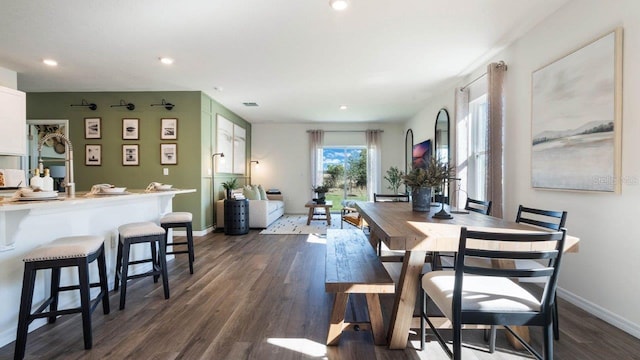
{"type": "Point", "coordinates": [13, 120]}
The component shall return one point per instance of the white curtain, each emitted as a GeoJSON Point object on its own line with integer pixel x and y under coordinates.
{"type": "Point", "coordinates": [316, 141]}
{"type": "Point", "coordinates": [374, 148]}
{"type": "Point", "coordinates": [494, 137]}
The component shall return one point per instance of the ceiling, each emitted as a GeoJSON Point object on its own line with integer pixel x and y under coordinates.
{"type": "Point", "coordinates": [299, 60]}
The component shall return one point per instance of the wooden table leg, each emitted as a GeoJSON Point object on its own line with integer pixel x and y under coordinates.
{"type": "Point", "coordinates": [336, 324]}
{"type": "Point", "coordinates": [327, 213]}
{"type": "Point", "coordinates": [405, 299]}
{"type": "Point", "coordinates": [522, 331]}
{"type": "Point", "coordinates": [310, 217]}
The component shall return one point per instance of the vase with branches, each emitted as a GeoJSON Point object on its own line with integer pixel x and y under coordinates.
{"type": "Point", "coordinates": [423, 180]}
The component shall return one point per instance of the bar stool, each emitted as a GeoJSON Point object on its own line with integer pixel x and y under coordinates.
{"type": "Point", "coordinates": [179, 220]}
{"type": "Point", "coordinates": [136, 233]}
{"type": "Point", "coordinates": [70, 251]}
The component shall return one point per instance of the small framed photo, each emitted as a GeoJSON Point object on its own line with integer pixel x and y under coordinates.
{"type": "Point", "coordinates": [169, 129]}
{"type": "Point", "coordinates": [130, 155]}
{"type": "Point", "coordinates": [92, 128]}
{"type": "Point", "coordinates": [93, 155]}
{"type": "Point", "coordinates": [168, 154]}
{"type": "Point", "coordinates": [130, 129]}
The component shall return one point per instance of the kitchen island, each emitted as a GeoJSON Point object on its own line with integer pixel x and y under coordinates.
{"type": "Point", "coordinates": [27, 224]}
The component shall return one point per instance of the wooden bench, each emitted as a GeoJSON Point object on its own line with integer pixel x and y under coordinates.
{"type": "Point", "coordinates": [352, 266]}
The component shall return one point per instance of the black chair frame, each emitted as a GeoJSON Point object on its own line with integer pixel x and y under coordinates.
{"type": "Point", "coordinates": [541, 318]}
{"type": "Point", "coordinates": [561, 216]}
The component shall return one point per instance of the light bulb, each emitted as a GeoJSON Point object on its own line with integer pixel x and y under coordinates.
{"type": "Point", "coordinates": [338, 5]}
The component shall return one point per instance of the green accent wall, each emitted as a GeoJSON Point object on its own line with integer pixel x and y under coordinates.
{"type": "Point", "coordinates": [196, 140]}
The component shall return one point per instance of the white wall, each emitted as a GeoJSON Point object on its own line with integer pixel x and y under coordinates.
{"type": "Point", "coordinates": [602, 277]}
{"type": "Point", "coordinates": [8, 78]}
{"type": "Point", "coordinates": [283, 152]}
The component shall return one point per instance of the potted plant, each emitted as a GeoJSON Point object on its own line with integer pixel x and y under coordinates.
{"type": "Point", "coordinates": [394, 177]}
{"type": "Point", "coordinates": [422, 180]}
{"type": "Point", "coordinates": [320, 190]}
{"type": "Point", "coordinates": [229, 185]}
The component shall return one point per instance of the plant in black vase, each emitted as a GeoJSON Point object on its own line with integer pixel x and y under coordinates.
{"type": "Point", "coordinates": [321, 191]}
{"type": "Point", "coordinates": [229, 185]}
{"type": "Point", "coordinates": [423, 180]}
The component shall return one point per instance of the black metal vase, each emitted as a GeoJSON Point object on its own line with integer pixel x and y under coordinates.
{"type": "Point", "coordinates": [421, 199]}
{"type": "Point", "coordinates": [321, 198]}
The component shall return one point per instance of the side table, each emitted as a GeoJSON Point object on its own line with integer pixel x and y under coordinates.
{"type": "Point", "coordinates": [236, 217]}
{"type": "Point", "coordinates": [312, 205]}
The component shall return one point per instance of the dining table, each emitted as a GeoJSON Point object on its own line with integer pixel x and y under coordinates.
{"type": "Point", "coordinates": [418, 233]}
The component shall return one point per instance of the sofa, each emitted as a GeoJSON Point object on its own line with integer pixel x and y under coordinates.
{"type": "Point", "coordinates": [262, 213]}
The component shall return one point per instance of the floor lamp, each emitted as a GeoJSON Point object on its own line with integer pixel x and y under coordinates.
{"type": "Point", "coordinates": [213, 185]}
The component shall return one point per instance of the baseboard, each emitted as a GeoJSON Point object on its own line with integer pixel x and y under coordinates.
{"type": "Point", "coordinates": [601, 313]}
{"type": "Point", "coordinates": [195, 233]}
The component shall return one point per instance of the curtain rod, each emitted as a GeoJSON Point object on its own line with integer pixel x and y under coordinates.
{"type": "Point", "coordinates": [474, 80]}
{"type": "Point", "coordinates": [345, 131]}
{"type": "Point", "coordinates": [499, 64]}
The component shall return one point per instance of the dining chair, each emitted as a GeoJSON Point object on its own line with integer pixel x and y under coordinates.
{"type": "Point", "coordinates": [479, 206]}
{"type": "Point", "coordinates": [350, 215]}
{"type": "Point", "coordinates": [547, 219]}
{"type": "Point", "coordinates": [481, 295]}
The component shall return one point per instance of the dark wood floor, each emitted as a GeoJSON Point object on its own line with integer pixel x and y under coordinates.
{"type": "Point", "coordinates": [262, 297]}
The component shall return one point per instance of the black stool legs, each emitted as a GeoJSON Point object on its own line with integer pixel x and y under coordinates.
{"type": "Point", "coordinates": [159, 264]}
{"type": "Point", "coordinates": [25, 316]}
{"type": "Point", "coordinates": [188, 243]}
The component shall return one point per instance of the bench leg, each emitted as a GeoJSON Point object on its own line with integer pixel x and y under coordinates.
{"type": "Point", "coordinates": [375, 316]}
{"type": "Point", "coordinates": [336, 324]}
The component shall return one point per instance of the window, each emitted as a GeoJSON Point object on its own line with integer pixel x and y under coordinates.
{"type": "Point", "coordinates": [345, 171]}
{"type": "Point", "coordinates": [478, 148]}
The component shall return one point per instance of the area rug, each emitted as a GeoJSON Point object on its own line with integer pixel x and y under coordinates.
{"type": "Point", "coordinates": [297, 224]}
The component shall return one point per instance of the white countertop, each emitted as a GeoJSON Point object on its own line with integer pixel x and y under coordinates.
{"type": "Point", "coordinates": [84, 198]}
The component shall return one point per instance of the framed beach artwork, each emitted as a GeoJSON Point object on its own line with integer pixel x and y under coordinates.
{"type": "Point", "coordinates": [93, 155]}
{"type": "Point", "coordinates": [130, 155]}
{"type": "Point", "coordinates": [421, 154]}
{"type": "Point", "coordinates": [168, 154]}
{"type": "Point", "coordinates": [92, 128]}
{"type": "Point", "coordinates": [169, 129]}
{"type": "Point", "coordinates": [239, 146]}
{"type": "Point", "coordinates": [130, 129]}
{"type": "Point", "coordinates": [576, 119]}
{"type": "Point", "coordinates": [224, 144]}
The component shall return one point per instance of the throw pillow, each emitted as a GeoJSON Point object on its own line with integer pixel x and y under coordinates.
{"type": "Point", "coordinates": [263, 193]}
{"type": "Point", "coordinates": [250, 193]}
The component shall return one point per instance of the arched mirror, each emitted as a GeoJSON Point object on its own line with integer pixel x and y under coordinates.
{"type": "Point", "coordinates": [441, 144]}
{"type": "Point", "coordinates": [408, 149]}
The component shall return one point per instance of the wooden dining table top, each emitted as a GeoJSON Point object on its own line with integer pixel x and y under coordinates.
{"type": "Point", "coordinates": [401, 228]}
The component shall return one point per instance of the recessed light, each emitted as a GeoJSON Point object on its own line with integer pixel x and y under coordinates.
{"type": "Point", "coordinates": [166, 60]}
{"type": "Point", "coordinates": [343, 107]}
{"type": "Point", "coordinates": [339, 5]}
{"type": "Point", "coordinates": [50, 62]}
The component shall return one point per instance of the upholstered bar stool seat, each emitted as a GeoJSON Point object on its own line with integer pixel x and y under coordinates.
{"type": "Point", "coordinates": [78, 251]}
{"type": "Point", "coordinates": [180, 220]}
{"type": "Point", "coordinates": [137, 233]}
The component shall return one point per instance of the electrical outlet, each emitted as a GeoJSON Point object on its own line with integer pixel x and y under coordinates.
{"type": "Point", "coordinates": [165, 171]}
